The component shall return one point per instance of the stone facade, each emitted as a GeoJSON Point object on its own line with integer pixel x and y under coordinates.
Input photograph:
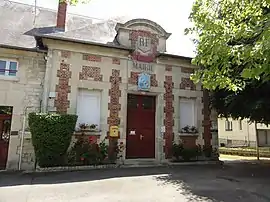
{"type": "Point", "coordinates": [242, 133]}
{"type": "Point", "coordinates": [24, 93]}
{"type": "Point", "coordinates": [114, 73]}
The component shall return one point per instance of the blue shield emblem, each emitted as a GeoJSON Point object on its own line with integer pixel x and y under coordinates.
{"type": "Point", "coordinates": [144, 81]}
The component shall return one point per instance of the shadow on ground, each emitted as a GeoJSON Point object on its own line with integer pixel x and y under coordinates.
{"type": "Point", "coordinates": [228, 183]}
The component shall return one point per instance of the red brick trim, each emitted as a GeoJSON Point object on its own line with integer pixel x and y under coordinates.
{"type": "Point", "coordinates": [133, 79]}
{"type": "Point", "coordinates": [187, 70]}
{"type": "Point", "coordinates": [168, 68]}
{"type": "Point", "coordinates": [168, 119]}
{"type": "Point", "coordinates": [93, 58]}
{"type": "Point", "coordinates": [116, 61]}
{"type": "Point", "coordinates": [114, 93]}
{"type": "Point", "coordinates": [187, 84]}
{"type": "Point", "coordinates": [90, 73]}
{"type": "Point", "coordinates": [65, 54]}
{"type": "Point", "coordinates": [114, 107]}
{"type": "Point", "coordinates": [63, 89]}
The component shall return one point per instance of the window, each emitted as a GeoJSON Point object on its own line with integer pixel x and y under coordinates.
{"type": "Point", "coordinates": [240, 125]}
{"type": "Point", "coordinates": [8, 68]}
{"type": "Point", "coordinates": [88, 107]}
{"type": "Point", "coordinates": [187, 113]}
{"type": "Point", "coordinates": [228, 125]}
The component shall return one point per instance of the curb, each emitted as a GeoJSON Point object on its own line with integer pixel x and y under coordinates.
{"type": "Point", "coordinates": [111, 166]}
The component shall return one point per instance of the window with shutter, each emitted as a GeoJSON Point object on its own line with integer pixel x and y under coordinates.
{"type": "Point", "coordinates": [187, 113]}
{"type": "Point", "coordinates": [88, 107]}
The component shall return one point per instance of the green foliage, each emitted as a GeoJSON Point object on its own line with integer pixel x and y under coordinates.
{"type": "Point", "coordinates": [51, 137]}
{"type": "Point", "coordinates": [187, 154]}
{"type": "Point", "coordinates": [232, 41]}
{"type": "Point", "coordinates": [75, 2]}
{"type": "Point", "coordinates": [6, 110]}
{"type": "Point", "coordinates": [86, 152]}
{"type": "Point", "coordinates": [251, 103]}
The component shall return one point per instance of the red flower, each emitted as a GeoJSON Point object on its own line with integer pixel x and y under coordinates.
{"type": "Point", "coordinates": [92, 139]}
{"type": "Point", "coordinates": [82, 159]}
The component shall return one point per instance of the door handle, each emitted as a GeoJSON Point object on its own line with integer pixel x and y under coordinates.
{"type": "Point", "coordinates": [141, 137]}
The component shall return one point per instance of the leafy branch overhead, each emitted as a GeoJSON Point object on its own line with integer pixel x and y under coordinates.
{"type": "Point", "coordinates": [75, 2]}
{"type": "Point", "coordinates": [232, 41]}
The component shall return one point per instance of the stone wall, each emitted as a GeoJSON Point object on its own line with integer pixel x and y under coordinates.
{"type": "Point", "coordinates": [24, 93]}
{"type": "Point", "coordinates": [111, 72]}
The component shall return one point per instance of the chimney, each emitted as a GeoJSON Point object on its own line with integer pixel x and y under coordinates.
{"type": "Point", "coordinates": [61, 14]}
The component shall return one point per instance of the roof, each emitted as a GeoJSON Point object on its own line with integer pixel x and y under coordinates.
{"type": "Point", "coordinates": [19, 26]}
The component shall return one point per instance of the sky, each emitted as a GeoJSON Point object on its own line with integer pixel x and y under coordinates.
{"type": "Point", "coordinates": [172, 15]}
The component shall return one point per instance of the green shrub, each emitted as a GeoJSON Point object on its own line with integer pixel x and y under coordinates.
{"type": "Point", "coordinates": [51, 137]}
{"type": "Point", "coordinates": [177, 150]}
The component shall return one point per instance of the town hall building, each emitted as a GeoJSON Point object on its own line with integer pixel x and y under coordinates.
{"type": "Point", "coordinates": [128, 83]}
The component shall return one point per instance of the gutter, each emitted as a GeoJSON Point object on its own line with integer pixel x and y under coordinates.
{"type": "Point", "coordinates": [82, 42]}
{"type": "Point", "coordinates": [37, 50]}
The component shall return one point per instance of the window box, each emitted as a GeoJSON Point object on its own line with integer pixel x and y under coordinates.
{"type": "Point", "coordinates": [188, 134]}
{"type": "Point", "coordinates": [87, 133]}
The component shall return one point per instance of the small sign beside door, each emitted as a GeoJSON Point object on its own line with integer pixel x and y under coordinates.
{"type": "Point", "coordinates": [132, 132]}
{"type": "Point", "coordinates": [163, 129]}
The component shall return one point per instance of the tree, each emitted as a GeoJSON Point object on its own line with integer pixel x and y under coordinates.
{"type": "Point", "coordinates": [75, 2]}
{"type": "Point", "coordinates": [233, 42]}
{"type": "Point", "coordinates": [233, 51]}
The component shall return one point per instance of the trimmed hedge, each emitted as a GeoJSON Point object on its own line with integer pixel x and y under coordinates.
{"type": "Point", "coordinates": [51, 137]}
{"type": "Point", "coordinates": [264, 152]}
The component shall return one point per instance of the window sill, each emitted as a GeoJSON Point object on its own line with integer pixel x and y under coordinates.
{"type": "Point", "coordinates": [87, 132]}
{"type": "Point", "coordinates": [188, 134]}
{"type": "Point", "coordinates": [9, 78]}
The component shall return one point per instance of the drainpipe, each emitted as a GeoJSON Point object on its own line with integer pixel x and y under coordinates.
{"type": "Point", "coordinates": [22, 135]}
{"type": "Point", "coordinates": [47, 81]}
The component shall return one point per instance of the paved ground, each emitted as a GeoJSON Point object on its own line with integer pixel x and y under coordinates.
{"type": "Point", "coordinates": [228, 183]}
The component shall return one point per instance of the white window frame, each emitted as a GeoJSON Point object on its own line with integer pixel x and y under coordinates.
{"type": "Point", "coordinates": [228, 125]}
{"type": "Point", "coordinates": [194, 117]}
{"type": "Point", "coordinates": [8, 67]}
{"type": "Point", "coordinates": [93, 93]}
{"type": "Point", "coordinates": [240, 124]}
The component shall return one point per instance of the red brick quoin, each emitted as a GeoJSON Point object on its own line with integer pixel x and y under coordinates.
{"type": "Point", "coordinates": [92, 58]}
{"type": "Point", "coordinates": [187, 84]}
{"type": "Point", "coordinates": [168, 120]}
{"type": "Point", "coordinates": [133, 79]}
{"type": "Point", "coordinates": [62, 89]}
{"type": "Point", "coordinates": [89, 73]}
{"type": "Point", "coordinates": [114, 106]}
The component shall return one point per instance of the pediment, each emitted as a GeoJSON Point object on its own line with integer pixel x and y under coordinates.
{"type": "Point", "coordinates": [143, 24]}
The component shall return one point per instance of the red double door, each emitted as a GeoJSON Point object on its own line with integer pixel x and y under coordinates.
{"type": "Point", "coordinates": [140, 126]}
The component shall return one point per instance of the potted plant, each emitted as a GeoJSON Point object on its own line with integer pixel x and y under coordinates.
{"type": "Point", "coordinates": [93, 127]}
{"type": "Point", "coordinates": [83, 126]}
{"type": "Point", "coordinates": [193, 130]}
{"type": "Point", "coordinates": [189, 129]}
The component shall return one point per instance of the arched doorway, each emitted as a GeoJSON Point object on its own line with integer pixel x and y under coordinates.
{"type": "Point", "coordinates": [5, 128]}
